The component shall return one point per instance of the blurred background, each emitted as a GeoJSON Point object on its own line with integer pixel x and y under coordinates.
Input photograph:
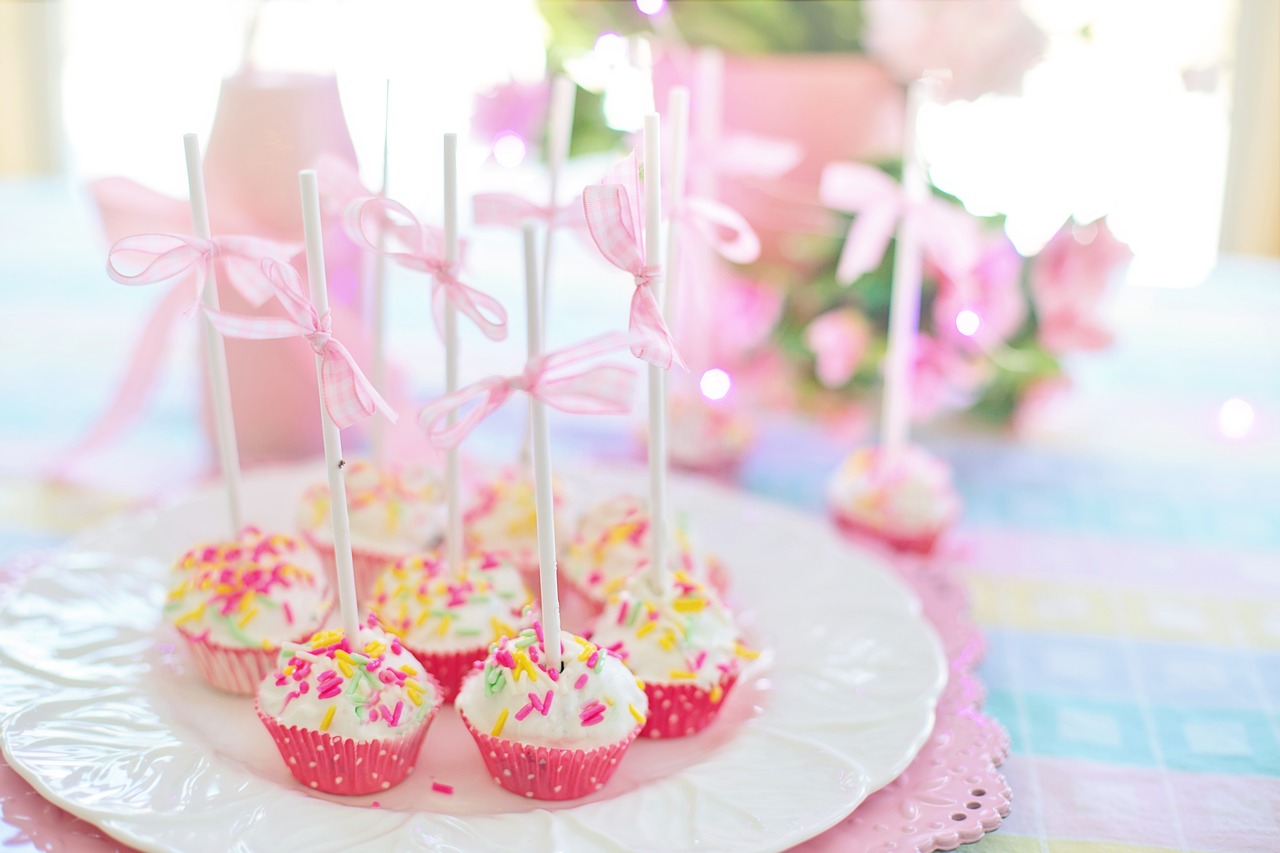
{"type": "Point", "coordinates": [1114, 162]}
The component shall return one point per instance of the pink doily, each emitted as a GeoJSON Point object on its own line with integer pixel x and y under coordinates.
{"type": "Point", "coordinates": [951, 794]}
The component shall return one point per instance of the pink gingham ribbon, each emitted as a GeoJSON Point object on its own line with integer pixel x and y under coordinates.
{"type": "Point", "coordinates": [608, 211]}
{"type": "Point", "coordinates": [512, 211]}
{"type": "Point", "coordinates": [349, 397]}
{"type": "Point", "coordinates": [878, 203]}
{"type": "Point", "coordinates": [424, 252]}
{"type": "Point", "coordinates": [150, 258]}
{"type": "Point", "coordinates": [605, 389]}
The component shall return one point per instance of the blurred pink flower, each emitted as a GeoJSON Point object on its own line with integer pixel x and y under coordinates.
{"type": "Point", "coordinates": [987, 45]}
{"type": "Point", "coordinates": [1068, 279]}
{"type": "Point", "coordinates": [838, 340]}
{"type": "Point", "coordinates": [745, 313]}
{"type": "Point", "coordinates": [942, 378]}
{"type": "Point", "coordinates": [518, 108]}
{"type": "Point", "coordinates": [990, 291]}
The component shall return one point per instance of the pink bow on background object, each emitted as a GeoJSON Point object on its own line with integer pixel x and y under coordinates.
{"type": "Point", "coordinates": [512, 211]}
{"type": "Point", "coordinates": [150, 258]}
{"type": "Point", "coordinates": [724, 229]}
{"type": "Point", "coordinates": [606, 389]}
{"type": "Point", "coordinates": [948, 235]}
{"type": "Point", "coordinates": [349, 397]}
{"type": "Point", "coordinates": [424, 252]}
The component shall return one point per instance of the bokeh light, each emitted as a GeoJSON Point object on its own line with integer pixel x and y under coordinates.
{"type": "Point", "coordinates": [1235, 418]}
{"type": "Point", "coordinates": [715, 384]}
{"type": "Point", "coordinates": [509, 150]}
{"type": "Point", "coordinates": [967, 323]}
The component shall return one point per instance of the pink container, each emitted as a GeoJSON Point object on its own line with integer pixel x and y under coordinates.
{"type": "Point", "coordinates": [234, 670]}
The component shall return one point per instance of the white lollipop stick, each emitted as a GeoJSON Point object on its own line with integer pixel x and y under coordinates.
{"type": "Point", "coordinates": [544, 500]}
{"type": "Point", "coordinates": [214, 348]}
{"type": "Point", "coordinates": [377, 296]}
{"type": "Point", "coordinates": [559, 132]}
{"type": "Point", "coordinates": [453, 470]}
{"type": "Point", "coordinates": [678, 116]}
{"type": "Point", "coordinates": [904, 303]}
{"type": "Point", "coordinates": [708, 129]}
{"type": "Point", "coordinates": [347, 604]}
{"type": "Point", "coordinates": [657, 376]}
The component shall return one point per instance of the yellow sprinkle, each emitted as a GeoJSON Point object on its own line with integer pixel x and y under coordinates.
{"type": "Point", "coordinates": [267, 644]}
{"type": "Point", "coordinates": [745, 652]}
{"type": "Point", "coordinates": [689, 605]}
{"type": "Point", "coordinates": [502, 721]}
{"type": "Point", "coordinates": [288, 670]}
{"type": "Point", "coordinates": [328, 718]}
{"type": "Point", "coordinates": [325, 638]}
{"type": "Point", "coordinates": [677, 674]}
{"type": "Point", "coordinates": [717, 693]}
{"type": "Point", "coordinates": [586, 651]}
{"type": "Point", "coordinates": [374, 648]}
{"type": "Point", "coordinates": [608, 701]}
{"type": "Point", "coordinates": [248, 617]}
{"type": "Point", "coordinates": [426, 614]}
{"type": "Point", "coordinates": [500, 629]}
{"type": "Point", "coordinates": [640, 684]}
{"type": "Point", "coordinates": [523, 664]}
{"type": "Point", "coordinates": [614, 585]}
{"type": "Point", "coordinates": [347, 670]}
{"type": "Point", "coordinates": [187, 617]}
{"type": "Point", "coordinates": [638, 716]}
{"type": "Point", "coordinates": [342, 655]}
{"type": "Point", "coordinates": [667, 640]}
{"type": "Point", "coordinates": [415, 697]}
{"type": "Point", "coordinates": [645, 629]}
{"type": "Point", "coordinates": [444, 625]}
{"type": "Point", "coordinates": [408, 670]}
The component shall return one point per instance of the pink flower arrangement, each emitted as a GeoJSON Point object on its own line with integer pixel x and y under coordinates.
{"type": "Point", "coordinates": [839, 339]}
{"type": "Point", "coordinates": [990, 291]}
{"type": "Point", "coordinates": [1068, 280]}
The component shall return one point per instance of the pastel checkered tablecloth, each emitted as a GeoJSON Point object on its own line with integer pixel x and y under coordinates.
{"type": "Point", "coordinates": [1122, 555]}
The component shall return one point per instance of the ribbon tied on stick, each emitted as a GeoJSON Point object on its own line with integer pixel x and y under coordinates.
{"type": "Point", "coordinates": [556, 378]}
{"type": "Point", "coordinates": [723, 228]}
{"type": "Point", "coordinates": [349, 397]}
{"type": "Point", "coordinates": [423, 251]}
{"type": "Point", "coordinates": [614, 229]}
{"type": "Point", "coordinates": [151, 258]}
{"type": "Point", "coordinates": [948, 236]}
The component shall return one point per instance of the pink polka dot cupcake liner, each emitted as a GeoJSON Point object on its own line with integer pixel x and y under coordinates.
{"type": "Point", "coordinates": [548, 773]}
{"type": "Point", "coordinates": [338, 765]}
{"type": "Point", "coordinates": [680, 710]}
{"type": "Point", "coordinates": [448, 668]}
{"type": "Point", "coordinates": [233, 669]}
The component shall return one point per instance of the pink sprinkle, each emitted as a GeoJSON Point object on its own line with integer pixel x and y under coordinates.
{"type": "Point", "coordinates": [581, 682]}
{"type": "Point", "coordinates": [533, 653]}
{"type": "Point", "coordinates": [537, 630]}
{"type": "Point", "coordinates": [503, 656]}
{"type": "Point", "coordinates": [373, 715]}
{"type": "Point", "coordinates": [595, 577]}
{"type": "Point", "coordinates": [622, 611]}
{"type": "Point", "coordinates": [386, 677]}
{"type": "Point", "coordinates": [375, 805]}
{"type": "Point", "coordinates": [395, 715]}
{"type": "Point", "coordinates": [702, 658]}
{"type": "Point", "coordinates": [282, 681]}
{"type": "Point", "coordinates": [546, 702]}
{"type": "Point", "coordinates": [536, 703]}
{"type": "Point", "coordinates": [396, 648]}
{"type": "Point", "coordinates": [641, 528]}
{"type": "Point", "coordinates": [293, 694]}
{"type": "Point", "coordinates": [304, 687]}
{"type": "Point", "coordinates": [591, 661]}
{"type": "Point", "coordinates": [441, 788]}
{"type": "Point", "coordinates": [489, 562]}
{"type": "Point", "coordinates": [525, 711]}
{"type": "Point", "coordinates": [552, 673]}
{"type": "Point", "coordinates": [328, 691]}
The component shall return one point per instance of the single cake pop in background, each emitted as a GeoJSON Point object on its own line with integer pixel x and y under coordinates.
{"type": "Point", "coordinates": [448, 619]}
{"type": "Point", "coordinates": [236, 603]}
{"type": "Point", "coordinates": [904, 498]}
{"type": "Point", "coordinates": [683, 645]}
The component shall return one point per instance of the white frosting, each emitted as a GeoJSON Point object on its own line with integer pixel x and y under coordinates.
{"type": "Point", "coordinates": [253, 592]}
{"type": "Point", "coordinates": [392, 511]}
{"type": "Point", "coordinates": [683, 635]}
{"type": "Point", "coordinates": [503, 519]}
{"type": "Point", "coordinates": [315, 677]}
{"type": "Point", "coordinates": [434, 609]}
{"type": "Point", "coordinates": [612, 544]}
{"type": "Point", "coordinates": [609, 698]}
{"type": "Point", "coordinates": [908, 493]}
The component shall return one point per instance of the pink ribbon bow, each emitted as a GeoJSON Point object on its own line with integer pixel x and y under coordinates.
{"type": "Point", "coordinates": [948, 236]}
{"type": "Point", "coordinates": [511, 211]}
{"type": "Point", "coordinates": [722, 227]}
{"type": "Point", "coordinates": [424, 252]}
{"type": "Point", "coordinates": [617, 234]}
{"type": "Point", "coordinates": [150, 258]}
{"type": "Point", "coordinates": [349, 397]}
{"type": "Point", "coordinates": [605, 389]}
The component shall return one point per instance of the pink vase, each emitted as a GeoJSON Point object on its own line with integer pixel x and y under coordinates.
{"type": "Point", "coordinates": [268, 127]}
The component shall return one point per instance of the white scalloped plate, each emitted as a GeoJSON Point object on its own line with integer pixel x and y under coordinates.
{"type": "Point", "coordinates": [99, 715]}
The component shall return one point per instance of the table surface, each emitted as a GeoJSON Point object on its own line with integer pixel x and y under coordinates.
{"type": "Point", "coordinates": [1121, 554]}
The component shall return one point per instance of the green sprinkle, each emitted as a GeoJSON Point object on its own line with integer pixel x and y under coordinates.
{"type": "Point", "coordinates": [525, 642]}
{"type": "Point", "coordinates": [468, 632]}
